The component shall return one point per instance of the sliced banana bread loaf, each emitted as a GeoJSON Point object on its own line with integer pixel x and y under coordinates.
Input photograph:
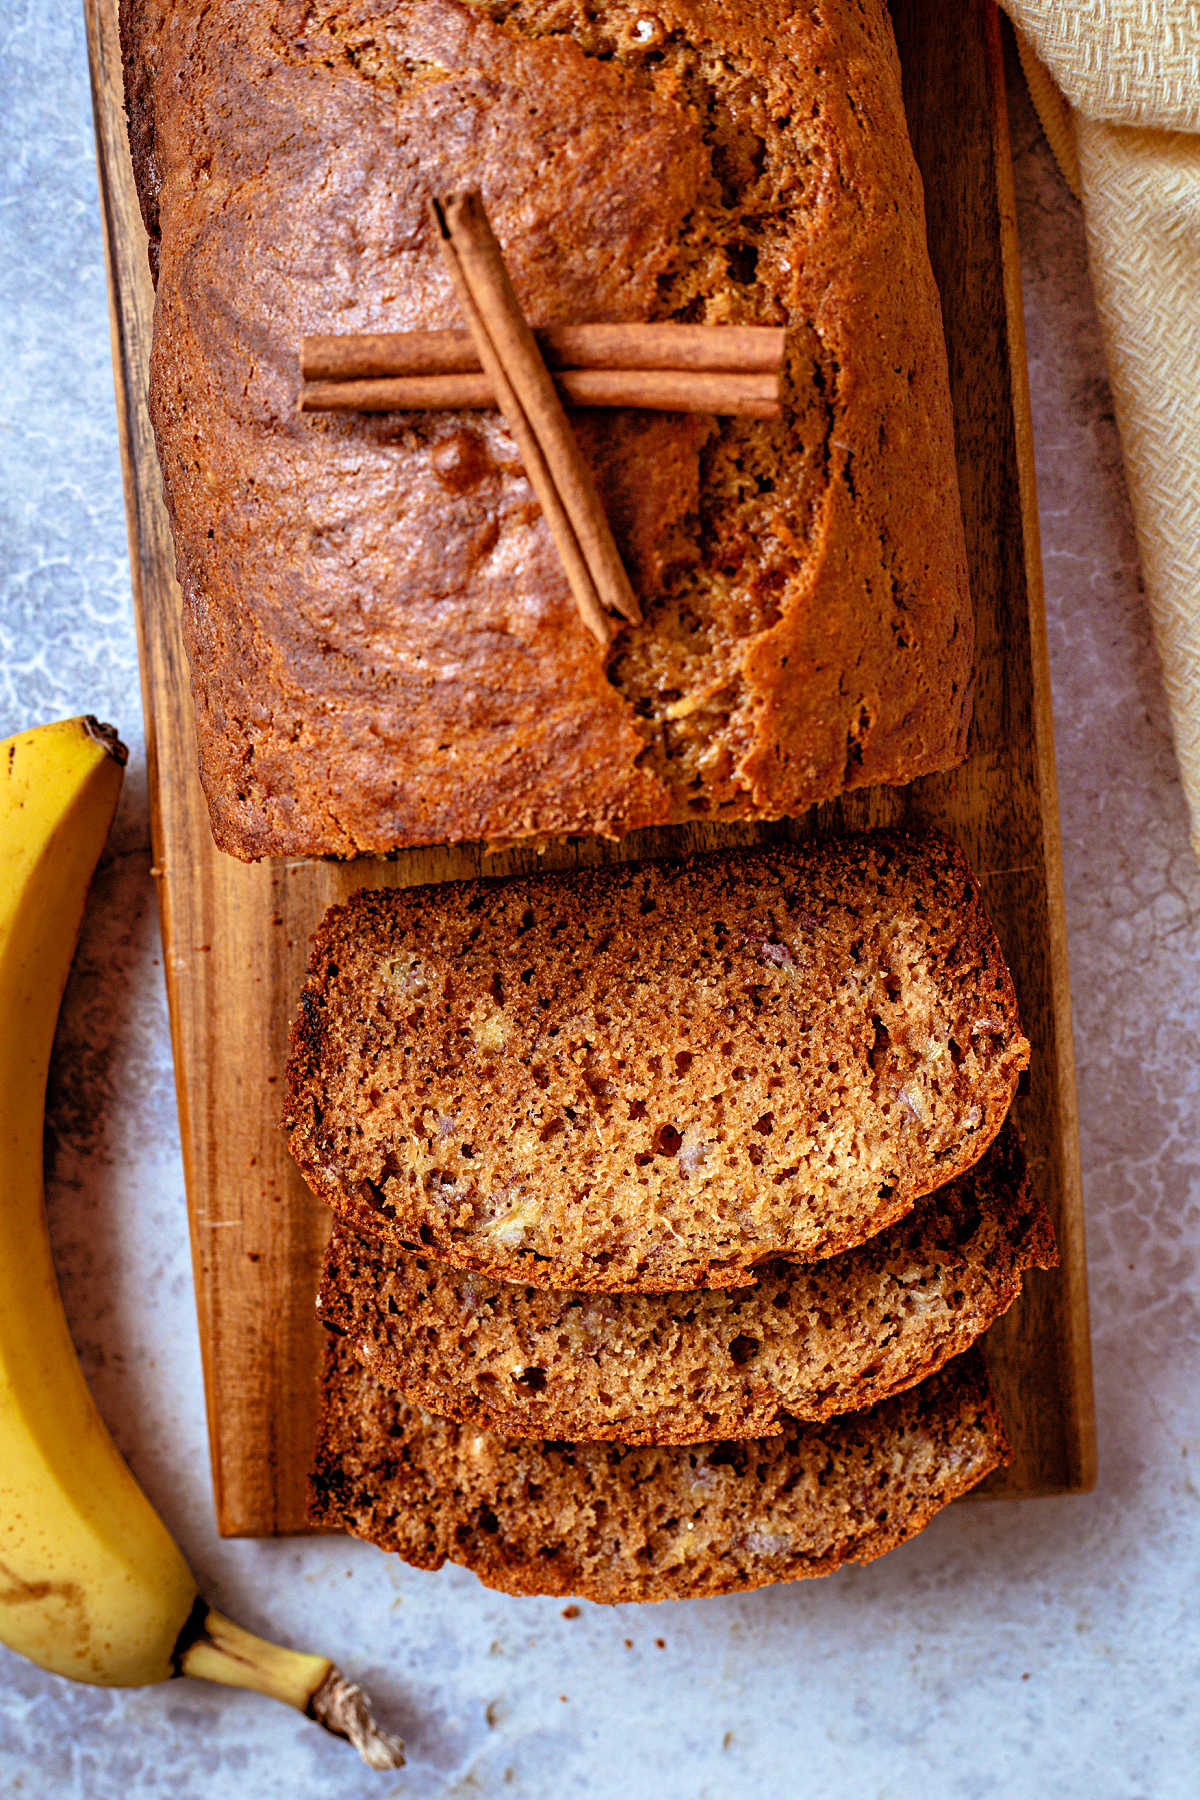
{"type": "Point", "coordinates": [655, 1077]}
{"type": "Point", "coordinates": [616, 1524]}
{"type": "Point", "coordinates": [810, 1340]}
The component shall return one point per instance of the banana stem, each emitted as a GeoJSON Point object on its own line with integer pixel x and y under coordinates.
{"type": "Point", "coordinates": [342, 1707]}
{"type": "Point", "coordinates": [214, 1648]}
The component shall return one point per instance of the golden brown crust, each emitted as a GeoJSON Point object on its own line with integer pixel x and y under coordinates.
{"type": "Point", "coordinates": [615, 1524]}
{"type": "Point", "coordinates": [383, 648]}
{"type": "Point", "coordinates": [655, 1077]}
{"type": "Point", "coordinates": [806, 1342]}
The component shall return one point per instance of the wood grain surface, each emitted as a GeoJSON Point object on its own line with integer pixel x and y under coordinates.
{"type": "Point", "coordinates": [235, 937]}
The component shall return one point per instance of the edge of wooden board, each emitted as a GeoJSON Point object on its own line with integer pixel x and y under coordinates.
{"type": "Point", "coordinates": [1072, 1250]}
{"type": "Point", "coordinates": [129, 334]}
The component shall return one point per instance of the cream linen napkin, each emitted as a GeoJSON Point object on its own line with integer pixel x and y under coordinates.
{"type": "Point", "coordinates": [1123, 117]}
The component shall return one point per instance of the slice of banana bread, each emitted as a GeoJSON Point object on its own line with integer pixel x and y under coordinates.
{"type": "Point", "coordinates": [655, 1077]}
{"type": "Point", "coordinates": [810, 1340]}
{"type": "Point", "coordinates": [616, 1524]}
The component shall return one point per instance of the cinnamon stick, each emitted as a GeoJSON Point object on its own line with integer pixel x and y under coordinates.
{"type": "Point", "coordinates": [725, 349]}
{"type": "Point", "coordinates": [525, 393]}
{"type": "Point", "coordinates": [752, 396]}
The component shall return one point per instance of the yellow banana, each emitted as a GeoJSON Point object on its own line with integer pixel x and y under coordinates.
{"type": "Point", "coordinates": [92, 1585]}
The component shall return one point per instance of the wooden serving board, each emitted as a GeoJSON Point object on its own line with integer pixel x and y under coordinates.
{"type": "Point", "coordinates": [235, 937]}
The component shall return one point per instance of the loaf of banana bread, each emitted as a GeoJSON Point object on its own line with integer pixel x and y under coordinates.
{"type": "Point", "coordinates": [657, 1076]}
{"type": "Point", "coordinates": [809, 1340]}
{"type": "Point", "coordinates": [383, 647]}
{"type": "Point", "coordinates": [616, 1524]}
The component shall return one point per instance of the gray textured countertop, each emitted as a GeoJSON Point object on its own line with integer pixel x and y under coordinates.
{"type": "Point", "coordinates": [1013, 1648]}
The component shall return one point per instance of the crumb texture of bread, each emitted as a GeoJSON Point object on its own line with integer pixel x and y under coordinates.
{"type": "Point", "coordinates": [808, 1341]}
{"type": "Point", "coordinates": [383, 648]}
{"type": "Point", "coordinates": [655, 1077]}
{"type": "Point", "coordinates": [614, 1524]}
